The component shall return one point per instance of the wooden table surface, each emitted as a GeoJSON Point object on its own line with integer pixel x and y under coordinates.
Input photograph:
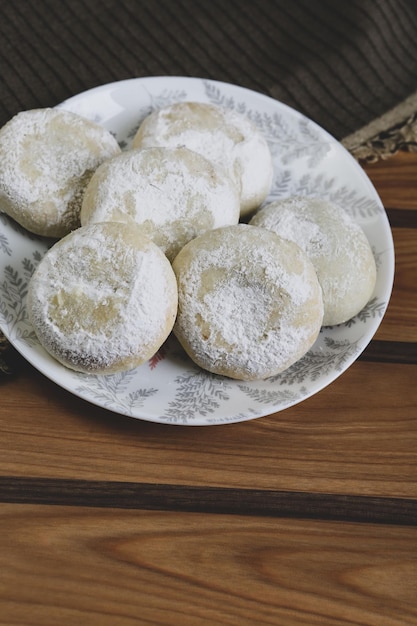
{"type": "Point", "coordinates": [305, 517]}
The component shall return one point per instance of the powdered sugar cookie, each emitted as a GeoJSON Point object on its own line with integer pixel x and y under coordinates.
{"type": "Point", "coordinates": [47, 157]}
{"type": "Point", "coordinates": [174, 194]}
{"type": "Point", "coordinates": [335, 244]}
{"type": "Point", "coordinates": [222, 136]}
{"type": "Point", "coordinates": [103, 299]}
{"type": "Point", "coordinates": [249, 302]}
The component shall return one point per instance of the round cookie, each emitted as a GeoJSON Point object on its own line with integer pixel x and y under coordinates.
{"type": "Point", "coordinates": [173, 193]}
{"type": "Point", "coordinates": [335, 244]}
{"type": "Point", "coordinates": [47, 157]}
{"type": "Point", "coordinates": [103, 299]}
{"type": "Point", "coordinates": [222, 136]}
{"type": "Point", "coordinates": [249, 302]}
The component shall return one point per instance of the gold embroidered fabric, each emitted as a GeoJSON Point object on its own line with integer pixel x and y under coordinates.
{"type": "Point", "coordinates": [400, 137]}
{"type": "Point", "coordinates": [396, 130]}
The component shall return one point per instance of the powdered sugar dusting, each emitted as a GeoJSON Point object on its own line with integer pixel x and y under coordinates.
{"type": "Point", "coordinates": [174, 194]}
{"type": "Point", "coordinates": [249, 302]}
{"type": "Point", "coordinates": [102, 299]}
{"type": "Point", "coordinates": [48, 156]}
{"type": "Point", "coordinates": [222, 136]}
{"type": "Point", "coordinates": [336, 245]}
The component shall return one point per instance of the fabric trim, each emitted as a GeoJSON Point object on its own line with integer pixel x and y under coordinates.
{"type": "Point", "coordinates": [395, 130]}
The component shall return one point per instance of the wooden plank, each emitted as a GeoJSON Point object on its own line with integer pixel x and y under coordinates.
{"type": "Point", "coordinates": [60, 565]}
{"type": "Point", "coordinates": [168, 497]}
{"type": "Point", "coordinates": [390, 352]}
{"type": "Point", "coordinates": [358, 436]}
{"type": "Point", "coordinates": [400, 320]}
{"type": "Point", "coordinates": [402, 218]}
{"type": "Point", "coordinates": [395, 180]}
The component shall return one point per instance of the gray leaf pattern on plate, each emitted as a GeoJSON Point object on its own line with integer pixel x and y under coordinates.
{"type": "Point", "coordinates": [357, 205]}
{"type": "Point", "coordinates": [318, 362]}
{"type": "Point", "coordinates": [4, 241]}
{"type": "Point", "coordinates": [294, 141]}
{"type": "Point", "coordinates": [113, 390]}
{"type": "Point", "coordinates": [13, 290]}
{"type": "Point", "coordinates": [198, 394]}
{"type": "Point", "coordinates": [273, 396]}
{"type": "Point", "coordinates": [374, 309]}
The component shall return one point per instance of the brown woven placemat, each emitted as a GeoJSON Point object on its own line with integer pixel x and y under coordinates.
{"type": "Point", "coordinates": [343, 64]}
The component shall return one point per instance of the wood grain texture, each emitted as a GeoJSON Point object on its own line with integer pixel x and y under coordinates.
{"type": "Point", "coordinates": [125, 568]}
{"type": "Point", "coordinates": [169, 497]}
{"type": "Point", "coordinates": [303, 518]}
{"type": "Point", "coordinates": [395, 180]}
{"type": "Point", "coordinates": [164, 539]}
{"type": "Point", "coordinates": [400, 321]}
{"type": "Point", "coordinates": [357, 436]}
{"type": "Point", "coordinates": [390, 352]}
{"type": "Point", "coordinates": [402, 218]}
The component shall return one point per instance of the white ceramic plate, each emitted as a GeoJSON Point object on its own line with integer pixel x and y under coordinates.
{"type": "Point", "coordinates": [169, 388]}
